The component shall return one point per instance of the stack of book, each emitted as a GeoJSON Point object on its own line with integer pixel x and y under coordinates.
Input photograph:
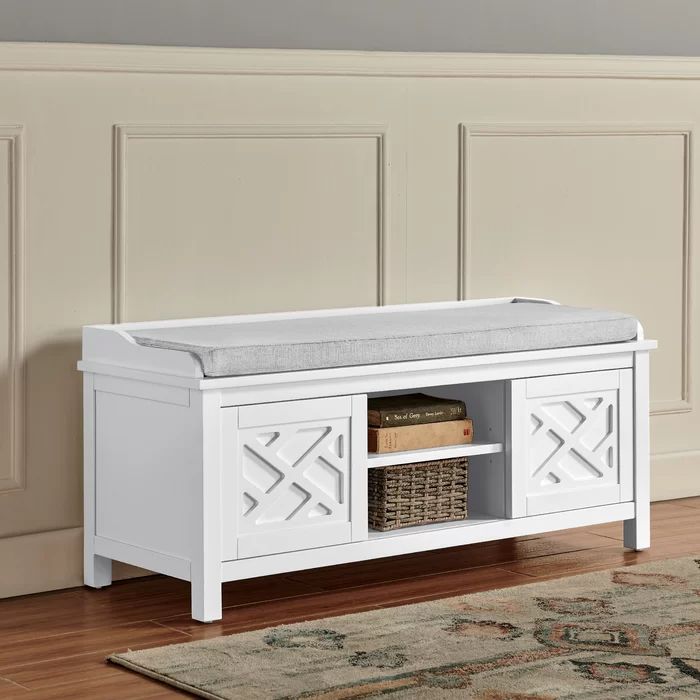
{"type": "Point", "coordinates": [416, 422]}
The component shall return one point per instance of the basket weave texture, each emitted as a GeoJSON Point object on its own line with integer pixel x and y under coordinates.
{"type": "Point", "coordinates": [417, 494]}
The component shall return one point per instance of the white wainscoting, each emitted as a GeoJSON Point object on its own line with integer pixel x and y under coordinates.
{"type": "Point", "coordinates": [141, 182]}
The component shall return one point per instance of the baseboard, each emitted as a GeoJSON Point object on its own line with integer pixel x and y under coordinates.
{"type": "Point", "coordinates": [675, 475]}
{"type": "Point", "coordinates": [47, 561]}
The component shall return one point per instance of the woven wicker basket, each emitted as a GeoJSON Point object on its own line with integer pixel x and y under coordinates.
{"type": "Point", "coordinates": [417, 494]}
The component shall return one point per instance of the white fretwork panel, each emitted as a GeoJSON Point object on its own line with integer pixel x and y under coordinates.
{"type": "Point", "coordinates": [574, 445]}
{"type": "Point", "coordinates": [288, 485]}
{"type": "Point", "coordinates": [573, 441]}
{"type": "Point", "coordinates": [294, 474]}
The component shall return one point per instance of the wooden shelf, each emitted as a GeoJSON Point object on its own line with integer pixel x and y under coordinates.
{"type": "Point", "coordinates": [413, 456]}
{"type": "Point", "coordinates": [471, 521]}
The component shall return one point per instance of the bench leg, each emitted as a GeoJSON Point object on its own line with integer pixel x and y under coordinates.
{"type": "Point", "coordinates": [637, 531]}
{"type": "Point", "coordinates": [206, 598]}
{"type": "Point", "coordinates": [205, 567]}
{"type": "Point", "coordinates": [97, 571]}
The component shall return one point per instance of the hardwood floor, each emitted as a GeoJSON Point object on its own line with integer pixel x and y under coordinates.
{"type": "Point", "coordinates": [53, 645]}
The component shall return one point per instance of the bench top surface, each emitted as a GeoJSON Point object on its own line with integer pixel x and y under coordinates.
{"type": "Point", "coordinates": [339, 340]}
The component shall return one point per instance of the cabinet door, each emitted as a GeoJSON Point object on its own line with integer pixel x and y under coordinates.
{"type": "Point", "coordinates": [571, 443]}
{"type": "Point", "coordinates": [288, 481]}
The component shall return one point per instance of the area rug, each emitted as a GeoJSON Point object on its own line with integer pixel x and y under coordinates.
{"type": "Point", "coordinates": [632, 632]}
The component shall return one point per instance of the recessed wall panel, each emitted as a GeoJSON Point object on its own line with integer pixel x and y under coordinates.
{"type": "Point", "coordinates": [592, 218]}
{"type": "Point", "coordinates": [12, 467]}
{"type": "Point", "coordinates": [221, 223]}
{"type": "Point", "coordinates": [6, 466]}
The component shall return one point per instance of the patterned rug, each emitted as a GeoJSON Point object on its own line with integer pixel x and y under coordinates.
{"type": "Point", "coordinates": [626, 633]}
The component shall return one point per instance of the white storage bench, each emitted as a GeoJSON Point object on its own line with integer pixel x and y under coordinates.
{"type": "Point", "coordinates": [226, 448]}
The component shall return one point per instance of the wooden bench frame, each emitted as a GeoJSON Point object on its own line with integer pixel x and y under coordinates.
{"type": "Point", "coordinates": [164, 448]}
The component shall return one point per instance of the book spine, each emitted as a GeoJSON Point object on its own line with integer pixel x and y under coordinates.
{"type": "Point", "coordinates": [420, 437]}
{"type": "Point", "coordinates": [416, 416]}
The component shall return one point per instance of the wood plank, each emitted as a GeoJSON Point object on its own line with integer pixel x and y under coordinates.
{"type": "Point", "coordinates": [67, 671]}
{"type": "Point", "coordinates": [84, 642]}
{"type": "Point", "coordinates": [64, 670]}
{"type": "Point", "coordinates": [684, 523]}
{"type": "Point", "coordinates": [137, 600]}
{"type": "Point", "coordinates": [660, 512]}
{"type": "Point", "coordinates": [667, 546]}
{"type": "Point", "coordinates": [125, 685]}
{"type": "Point", "coordinates": [10, 690]}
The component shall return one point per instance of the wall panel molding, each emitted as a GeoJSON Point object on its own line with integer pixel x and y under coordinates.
{"type": "Point", "coordinates": [123, 134]}
{"type": "Point", "coordinates": [468, 131]}
{"type": "Point", "coordinates": [112, 58]}
{"type": "Point", "coordinates": [13, 477]}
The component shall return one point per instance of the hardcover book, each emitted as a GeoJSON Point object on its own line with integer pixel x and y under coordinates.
{"type": "Point", "coordinates": [412, 409]}
{"type": "Point", "coordinates": [420, 437]}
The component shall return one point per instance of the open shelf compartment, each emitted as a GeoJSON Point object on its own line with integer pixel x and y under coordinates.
{"type": "Point", "coordinates": [486, 493]}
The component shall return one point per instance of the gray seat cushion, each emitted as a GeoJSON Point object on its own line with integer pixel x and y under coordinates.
{"type": "Point", "coordinates": [414, 334]}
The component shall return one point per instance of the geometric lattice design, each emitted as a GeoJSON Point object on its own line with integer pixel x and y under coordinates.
{"type": "Point", "coordinates": [573, 441]}
{"type": "Point", "coordinates": [296, 474]}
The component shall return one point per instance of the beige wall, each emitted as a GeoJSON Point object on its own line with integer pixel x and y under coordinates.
{"type": "Point", "coordinates": [139, 183]}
